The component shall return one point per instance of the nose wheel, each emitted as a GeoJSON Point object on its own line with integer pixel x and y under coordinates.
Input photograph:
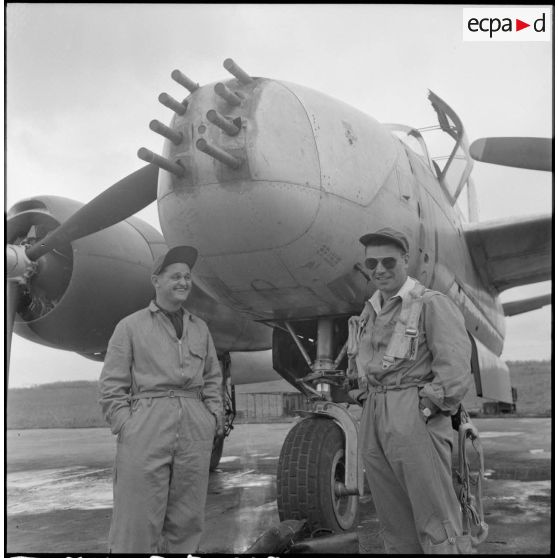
{"type": "Point", "coordinates": [319, 472]}
{"type": "Point", "coordinates": [311, 468]}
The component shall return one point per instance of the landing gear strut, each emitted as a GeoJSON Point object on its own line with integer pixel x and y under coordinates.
{"type": "Point", "coordinates": [319, 474]}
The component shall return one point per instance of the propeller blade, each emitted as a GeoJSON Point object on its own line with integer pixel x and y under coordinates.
{"type": "Point", "coordinates": [12, 298]}
{"type": "Point", "coordinates": [120, 201]}
{"type": "Point", "coordinates": [524, 153]}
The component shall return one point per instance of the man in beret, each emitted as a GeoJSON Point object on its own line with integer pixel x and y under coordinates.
{"type": "Point", "coordinates": [160, 391]}
{"type": "Point", "coordinates": [413, 361]}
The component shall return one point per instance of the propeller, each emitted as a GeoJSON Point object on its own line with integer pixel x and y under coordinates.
{"type": "Point", "coordinates": [40, 265]}
{"type": "Point", "coordinates": [118, 202]}
{"type": "Point", "coordinates": [520, 152]}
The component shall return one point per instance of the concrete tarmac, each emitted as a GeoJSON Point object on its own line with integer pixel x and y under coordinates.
{"type": "Point", "coordinates": [59, 489]}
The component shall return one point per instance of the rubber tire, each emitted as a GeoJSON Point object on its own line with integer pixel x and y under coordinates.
{"type": "Point", "coordinates": [311, 460]}
{"type": "Point", "coordinates": [216, 452]}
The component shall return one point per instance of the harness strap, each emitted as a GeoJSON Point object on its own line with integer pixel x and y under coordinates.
{"type": "Point", "coordinates": [470, 494]}
{"type": "Point", "coordinates": [356, 329]}
{"type": "Point", "coordinates": [191, 394]}
{"type": "Point", "coordinates": [404, 341]}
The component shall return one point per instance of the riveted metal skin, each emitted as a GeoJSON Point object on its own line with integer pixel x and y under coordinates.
{"type": "Point", "coordinates": [302, 170]}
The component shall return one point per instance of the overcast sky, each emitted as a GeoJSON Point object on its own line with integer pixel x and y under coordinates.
{"type": "Point", "coordinates": [83, 82]}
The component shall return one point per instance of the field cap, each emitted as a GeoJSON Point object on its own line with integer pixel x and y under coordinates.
{"type": "Point", "coordinates": [178, 254]}
{"type": "Point", "coordinates": [386, 234]}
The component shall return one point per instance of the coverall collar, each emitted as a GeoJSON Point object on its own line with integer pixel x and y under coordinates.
{"type": "Point", "coordinates": [154, 308]}
{"type": "Point", "coordinates": [406, 288]}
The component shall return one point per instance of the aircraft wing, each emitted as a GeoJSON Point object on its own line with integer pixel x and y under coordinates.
{"type": "Point", "coordinates": [511, 252]}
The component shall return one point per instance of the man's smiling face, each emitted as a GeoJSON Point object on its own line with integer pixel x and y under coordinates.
{"type": "Point", "coordinates": [173, 285]}
{"type": "Point", "coordinates": [388, 265]}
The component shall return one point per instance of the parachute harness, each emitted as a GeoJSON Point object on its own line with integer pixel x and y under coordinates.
{"type": "Point", "coordinates": [403, 344]}
{"type": "Point", "coordinates": [470, 492]}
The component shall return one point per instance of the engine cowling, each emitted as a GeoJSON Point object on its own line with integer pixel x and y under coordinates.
{"type": "Point", "coordinates": [82, 291]}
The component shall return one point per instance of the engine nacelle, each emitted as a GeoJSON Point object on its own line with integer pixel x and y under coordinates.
{"type": "Point", "coordinates": [82, 291]}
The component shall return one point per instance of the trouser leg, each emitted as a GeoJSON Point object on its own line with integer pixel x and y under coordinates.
{"type": "Point", "coordinates": [440, 523]}
{"type": "Point", "coordinates": [140, 498]}
{"type": "Point", "coordinates": [419, 456]}
{"type": "Point", "coordinates": [392, 504]}
{"type": "Point", "coordinates": [184, 521]}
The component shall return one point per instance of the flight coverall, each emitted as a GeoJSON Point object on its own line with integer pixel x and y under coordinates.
{"type": "Point", "coordinates": [161, 396]}
{"type": "Point", "coordinates": [407, 457]}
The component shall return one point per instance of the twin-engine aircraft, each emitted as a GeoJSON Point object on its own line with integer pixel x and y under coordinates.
{"type": "Point", "coordinates": [274, 183]}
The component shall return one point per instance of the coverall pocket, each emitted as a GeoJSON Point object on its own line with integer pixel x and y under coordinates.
{"type": "Point", "coordinates": [134, 408]}
{"type": "Point", "coordinates": [120, 433]}
{"type": "Point", "coordinates": [210, 417]}
{"type": "Point", "coordinates": [197, 347]}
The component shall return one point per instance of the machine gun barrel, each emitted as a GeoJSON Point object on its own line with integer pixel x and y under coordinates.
{"type": "Point", "coordinates": [219, 154]}
{"type": "Point", "coordinates": [220, 121]}
{"type": "Point", "coordinates": [231, 66]}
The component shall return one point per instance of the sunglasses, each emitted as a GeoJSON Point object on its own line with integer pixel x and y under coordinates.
{"type": "Point", "coordinates": [387, 263]}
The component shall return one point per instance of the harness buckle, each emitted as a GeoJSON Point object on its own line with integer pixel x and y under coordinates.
{"type": "Point", "coordinates": [171, 393]}
{"type": "Point", "coordinates": [411, 332]}
{"type": "Point", "coordinates": [387, 361]}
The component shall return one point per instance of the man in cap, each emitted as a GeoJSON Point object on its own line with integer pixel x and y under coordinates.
{"type": "Point", "coordinates": [160, 391]}
{"type": "Point", "coordinates": [413, 362]}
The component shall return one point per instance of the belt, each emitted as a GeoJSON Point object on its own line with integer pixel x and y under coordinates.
{"type": "Point", "coordinates": [192, 394]}
{"type": "Point", "coordinates": [392, 387]}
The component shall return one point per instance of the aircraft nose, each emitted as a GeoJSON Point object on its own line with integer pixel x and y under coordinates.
{"type": "Point", "coordinates": [251, 182]}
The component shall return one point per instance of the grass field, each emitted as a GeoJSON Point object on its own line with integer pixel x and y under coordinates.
{"type": "Point", "coordinates": [74, 404]}
{"type": "Point", "coordinates": [58, 405]}
{"type": "Point", "coordinates": [533, 381]}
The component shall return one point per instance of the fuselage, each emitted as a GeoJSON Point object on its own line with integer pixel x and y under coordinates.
{"type": "Point", "coordinates": [278, 236]}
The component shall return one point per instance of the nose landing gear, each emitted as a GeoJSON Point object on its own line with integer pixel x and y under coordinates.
{"type": "Point", "coordinates": [320, 474]}
{"type": "Point", "coordinates": [310, 472]}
